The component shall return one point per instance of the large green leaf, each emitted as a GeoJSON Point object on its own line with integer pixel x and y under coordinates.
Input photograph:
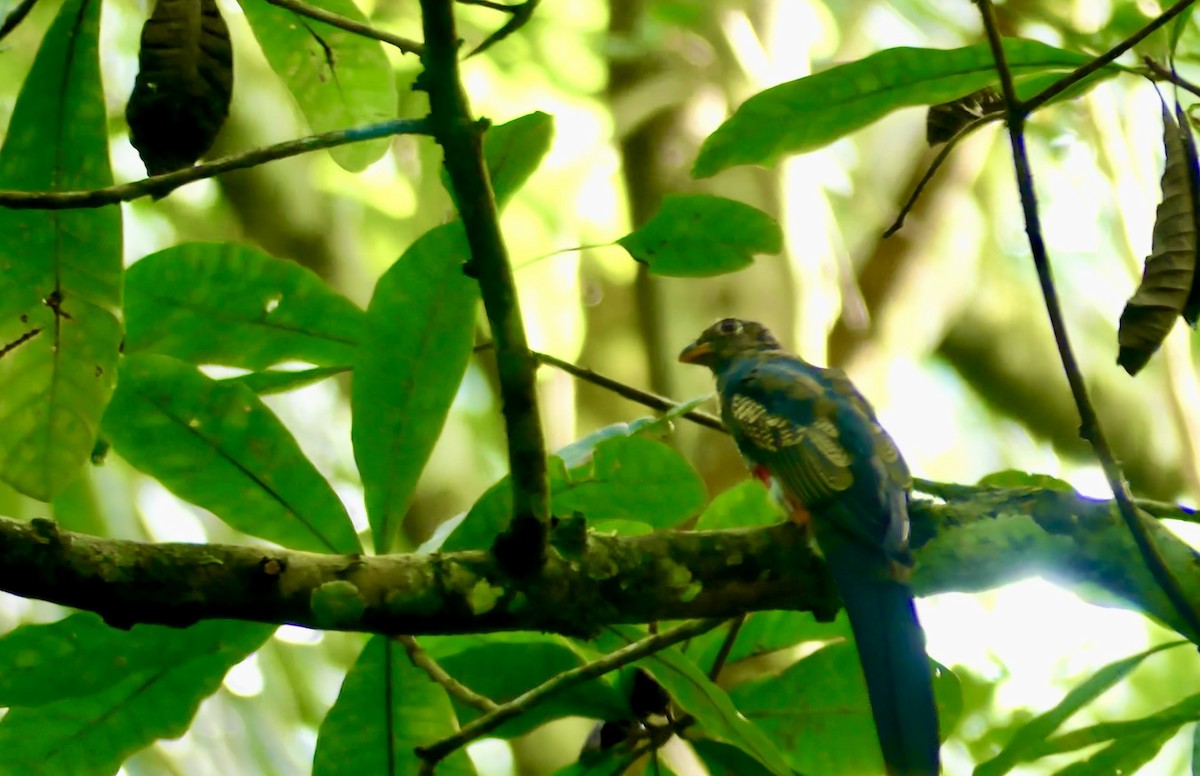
{"type": "Point", "coordinates": [810, 112]}
{"type": "Point", "coordinates": [414, 352]}
{"type": "Point", "coordinates": [1030, 737]}
{"type": "Point", "coordinates": [502, 671]}
{"type": "Point", "coordinates": [339, 79]}
{"type": "Point", "coordinates": [217, 445]}
{"type": "Point", "coordinates": [698, 235]}
{"type": "Point", "coordinates": [85, 697]}
{"type": "Point", "coordinates": [630, 478]}
{"type": "Point", "coordinates": [714, 711]}
{"type": "Point", "coordinates": [387, 708]}
{"type": "Point", "coordinates": [60, 271]}
{"type": "Point", "coordinates": [222, 303]}
{"type": "Point", "coordinates": [818, 713]}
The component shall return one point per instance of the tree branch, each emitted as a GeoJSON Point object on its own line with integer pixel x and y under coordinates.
{"type": "Point", "coordinates": [973, 538]}
{"type": "Point", "coordinates": [349, 25]}
{"type": "Point", "coordinates": [161, 185]}
{"type": "Point", "coordinates": [523, 545]}
{"type": "Point", "coordinates": [422, 660]}
{"type": "Point", "coordinates": [1090, 428]}
{"type": "Point", "coordinates": [1077, 75]}
{"type": "Point", "coordinates": [636, 651]}
{"type": "Point", "coordinates": [1164, 74]}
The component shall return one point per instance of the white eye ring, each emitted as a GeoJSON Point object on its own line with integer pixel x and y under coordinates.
{"type": "Point", "coordinates": [730, 326]}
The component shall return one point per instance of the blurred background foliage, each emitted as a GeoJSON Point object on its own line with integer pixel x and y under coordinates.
{"type": "Point", "coordinates": [940, 325]}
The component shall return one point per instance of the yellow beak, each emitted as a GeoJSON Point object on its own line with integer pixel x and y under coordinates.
{"type": "Point", "coordinates": [695, 352]}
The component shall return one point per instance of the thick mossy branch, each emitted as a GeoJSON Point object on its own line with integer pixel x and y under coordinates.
{"type": "Point", "coordinates": [979, 538]}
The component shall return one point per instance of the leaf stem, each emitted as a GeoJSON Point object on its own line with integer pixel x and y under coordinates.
{"type": "Point", "coordinates": [522, 703]}
{"type": "Point", "coordinates": [523, 544]}
{"type": "Point", "coordinates": [161, 185]}
{"type": "Point", "coordinates": [1090, 428]}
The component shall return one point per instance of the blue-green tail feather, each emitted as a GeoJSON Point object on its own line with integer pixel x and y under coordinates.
{"type": "Point", "coordinates": [891, 647]}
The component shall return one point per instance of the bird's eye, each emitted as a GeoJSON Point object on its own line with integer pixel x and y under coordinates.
{"type": "Point", "coordinates": [729, 326]}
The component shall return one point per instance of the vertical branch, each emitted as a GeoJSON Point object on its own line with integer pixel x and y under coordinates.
{"type": "Point", "coordinates": [1090, 428]}
{"type": "Point", "coordinates": [523, 545]}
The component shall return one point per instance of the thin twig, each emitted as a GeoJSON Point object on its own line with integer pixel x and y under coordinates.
{"type": "Point", "coordinates": [935, 166]}
{"type": "Point", "coordinates": [160, 185]}
{"type": "Point", "coordinates": [349, 25]}
{"type": "Point", "coordinates": [1077, 75]}
{"type": "Point", "coordinates": [422, 660]}
{"type": "Point", "coordinates": [1090, 428]}
{"type": "Point", "coordinates": [1164, 74]}
{"type": "Point", "coordinates": [521, 14]}
{"type": "Point", "coordinates": [15, 17]}
{"type": "Point", "coordinates": [624, 390]}
{"type": "Point", "coordinates": [522, 703]}
{"type": "Point", "coordinates": [501, 7]}
{"type": "Point", "coordinates": [523, 543]}
{"type": "Point", "coordinates": [645, 398]}
{"type": "Point", "coordinates": [735, 627]}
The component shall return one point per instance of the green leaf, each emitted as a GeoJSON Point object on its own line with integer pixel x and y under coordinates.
{"type": "Point", "coordinates": [413, 356]}
{"type": "Point", "coordinates": [716, 716]}
{"type": "Point", "coordinates": [222, 303]}
{"type": "Point", "coordinates": [699, 235]}
{"type": "Point", "coordinates": [492, 513]}
{"type": "Point", "coordinates": [271, 381]}
{"type": "Point", "coordinates": [1029, 737]}
{"type": "Point", "coordinates": [1014, 478]}
{"type": "Point", "coordinates": [745, 505]}
{"type": "Point", "coordinates": [502, 671]}
{"type": "Point", "coordinates": [630, 478]}
{"type": "Point", "coordinates": [727, 760]}
{"type": "Point", "coordinates": [814, 111]}
{"type": "Point", "coordinates": [60, 270]}
{"type": "Point", "coordinates": [764, 632]}
{"type": "Point", "coordinates": [339, 79]}
{"type": "Point", "coordinates": [387, 708]}
{"type": "Point", "coordinates": [635, 479]}
{"type": "Point", "coordinates": [107, 693]}
{"type": "Point", "coordinates": [513, 150]}
{"type": "Point", "coordinates": [818, 713]}
{"type": "Point", "coordinates": [32, 656]}
{"type": "Point", "coordinates": [1166, 721]}
{"type": "Point", "coordinates": [1178, 25]}
{"type": "Point", "coordinates": [217, 445]}
{"type": "Point", "coordinates": [1125, 755]}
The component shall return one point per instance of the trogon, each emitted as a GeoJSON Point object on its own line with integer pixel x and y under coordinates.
{"type": "Point", "coordinates": [809, 434]}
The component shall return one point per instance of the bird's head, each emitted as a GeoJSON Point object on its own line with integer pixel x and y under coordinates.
{"type": "Point", "coordinates": [727, 339]}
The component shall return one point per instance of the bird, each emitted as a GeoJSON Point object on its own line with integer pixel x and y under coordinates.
{"type": "Point", "coordinates": [807, 433]}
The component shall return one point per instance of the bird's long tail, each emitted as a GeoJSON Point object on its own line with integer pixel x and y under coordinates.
{"type": "Point", "coordinates": [891, 648]}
